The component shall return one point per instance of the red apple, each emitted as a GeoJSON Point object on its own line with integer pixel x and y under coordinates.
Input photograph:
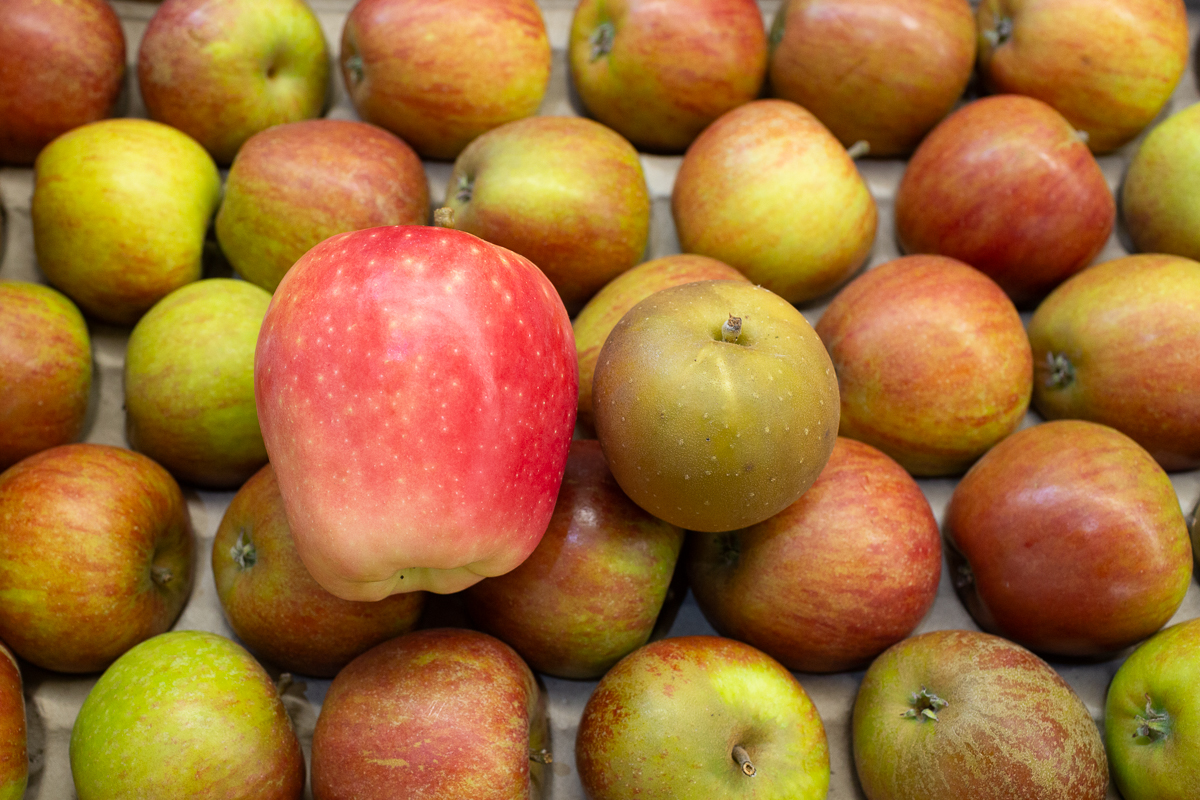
{"type": "Point", "coordinates": [442, 714]}
{"type": "Point", "coordinates": [62, 64]}
{"type": "Point", "coordinates": [14, 756]}
{"type": "Point", "coordinates": [416, 389]}
{"type": "Point", "coordinates": [1005, 185]}
{"type": "Point", "coordinates": [96, 551]}
{"type": "Point", "coordinates": [834, 579]}
{"type": "Point", "coordinates": [1067, 538]}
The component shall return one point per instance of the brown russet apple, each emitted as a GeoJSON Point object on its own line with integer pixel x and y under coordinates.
{"type": "Point", "coordinates": [14, 753]}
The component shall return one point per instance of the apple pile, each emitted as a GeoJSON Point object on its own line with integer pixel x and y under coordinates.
{"type": "Point", "coordinates": [475, 451]}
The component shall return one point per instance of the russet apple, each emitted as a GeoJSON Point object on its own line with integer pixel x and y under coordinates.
{"type": "Point", "coordinates": [14, 754]}
{"type": "Point", "coordinates": [1160, 199]}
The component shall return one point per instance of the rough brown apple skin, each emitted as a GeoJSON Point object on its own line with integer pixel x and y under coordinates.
{"type": "Point", "coordinates": [1067, 538]}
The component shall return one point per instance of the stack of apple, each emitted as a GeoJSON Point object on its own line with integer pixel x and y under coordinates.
{"type": "Point", "coordinates": [435, 421]}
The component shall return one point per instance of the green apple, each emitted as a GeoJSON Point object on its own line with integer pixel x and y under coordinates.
{"type": "Point", "coordinates": [185, 714]}
{"type": "Point", "coordinates": [120, 209]}
{"type": "Point", "coordinates": [189, 382]}
{"type": "Point", "coordinates": [1160, 199]}
{"type": "Point", "coordinates": [14, 756]}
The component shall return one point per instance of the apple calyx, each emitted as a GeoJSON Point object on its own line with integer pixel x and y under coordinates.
{"type": "Point", "coordinates": [859, 149]}
{"type": "Point", "coordinates": [355, 68]}
{"type": "Point", "coordinates": [1060, 372]}
{"type": "Point", "coordinates": [925, 705]}
{"type": "Point", "coordinates": [1001, 33]}
{"type": "Point", "coordinates": [541, 756]}
{"type": "Point", "coordinates": [1154, 726]}
{"type": "Point", "coordinates": [444, 217]}
{"type": "Point", "coordinates": [743, 760]}
{"type": "Point", "coordinates": [601, 40]}
{"type": "Point", "coordinates": [731, 329]}
{"type": "Point", "coordinates": [243, 552]}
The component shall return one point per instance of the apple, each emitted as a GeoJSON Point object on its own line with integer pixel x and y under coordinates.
{"type": "Point", "coordinates": [876, 71]}
{"type": "Point", "coordinates": [659, 72]}
{"type": "Point", "coordinates": [1067, 538]}
{"type": "Point", "coordinates": [932, 362]}
{"type": "Point", "coordinates": [416, 389]}
{"type": "Point", "coordinates": [295, 185]}
{"type": "Point", "coordinates": [276, 608]}
{"type": "Point", "coordinates": [440, 72]}
{"type": "Point", "coordinates": [223, 70]}
{"type": "Point", "coordinates": [62, 64]}
{"type": "Point", "coordinates": [1152, 717]}
{"type": "Point", "coordinates": [1160, 199]}
{"type": "Point", "coordinates": [14, 757]}
{"type": "Point", "coordinates": [592, 590]}
{"type": "Point", "coordinates": [120, 209]}
{"type": "Point", "coordinates": [1108, 66]}
{"type": "Point", "coordinates": [1006, 185]}
{"type": "Point", "coordinates": [701, 717]}
{"type": "Point", "coordinates": [768, 190]}
{"type": "Point", "coordinates": [955, 714]}
{"type": "Point", "coordinates": [834, 579]}
{"type": "Point", "coordinates": [1116, 344]}
{"type": "Point", "coordinates": [96, 551]}
{"type": "Point", "coordinates": [442, 713]}
{"type": "Point", "coordinates": [189, 382]}
{"type": "Point", "coordinates": [45, 367]}
{"type": "Point", "coordinates": [185, 714]}
{"type": "Point", "coordinates": [715, 403]}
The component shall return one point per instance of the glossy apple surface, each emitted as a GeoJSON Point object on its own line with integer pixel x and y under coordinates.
{"type": "Point", "coordinates": [14, 755]}
{"type": "Point", "coordinates": [416, 390]}
{"type": "Point", "coordinates": [1160, 199]}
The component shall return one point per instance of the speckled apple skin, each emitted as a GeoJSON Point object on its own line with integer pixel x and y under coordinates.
{"type": "Point", "coordinates": [416, 390]}
{"type": "Point", "coordinates": [1160, 198]}
{"type": "Point", "coordinates": [14, 755]}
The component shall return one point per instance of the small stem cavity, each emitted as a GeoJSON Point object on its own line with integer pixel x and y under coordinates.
{"type": "Point", "coordinates": [601, 40]}
{"type": "Point", "coordinates": [1060, 373]}
{"type": "Point", "coordinates": [925, 705]}
{"type": "Point", "coordinates": [542, 756]}
{"type": "Point", "coordinates": [161, 575]}
{"type": "Point", "coordinates": [243, 552]}
{"type": "Point", "coordinates": [743, 760]}
{"type": "Point", "coordinates": [1154, 725]}
{"type": "Point", "coordinates": [859, 149]}
{"type": "Point", "coordinates": [354, 66]}
{"type": "Point", "coordinates": [1001, 33]}
{"type": "Point", "coordinates": [731, 329]}
{"type": "Point", "coordinates": [444, 217]}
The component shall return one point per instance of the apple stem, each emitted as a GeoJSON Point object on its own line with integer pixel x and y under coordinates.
{"type": "Point", "coordinates": [1001, 33]}
{"type": "Point", "coordinates": [542, 756]}
{"type": "Point", "coordinates": [243, 552]}
{"type": "Point", "coordinates": [161, 575]}
{"type": "Point", "coordinates": [859, 149]}
{"type": "Point", "coordinates": [731, 329]}
{"type": "Point", "coordinates": [1154, 726]}
{"type": "Point", "coordinates": [354, 65]}
{"type": "Point", "coordinates": [1061, 373]}
{"type": "Point", "coordinates": [444, 217]}
{"type": "Point", "coordinates": [601, 40]}
{"type": "Point", "coordinates": [743, 760]}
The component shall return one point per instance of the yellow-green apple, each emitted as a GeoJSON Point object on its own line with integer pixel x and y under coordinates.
{"type": "Point", "coordinates": [932, 362]}
{"type": "Point", "coordinates": [223, 70]}
{"type": "Point", "coordinates": [695, 717]}
{"type": "Point", "coordinates": [445, 713]}
{"type": "Point", "coordinates": [440, 72]}
{"type": "Point", "coordinates": [189, 382]}
{"type": "Point", "coordinates": [120, 210]}
{"type": "Point", "coordinates": [602, 313]}
{"type": "Point", "coordinates": [1160, 199]}
{"type": "Point", "coordinates": [1152, 717]}
{"type": "Point", "coordinates": [591, 591]}
{"type": "Point", "coordinates": [62, 65]}
{"type": "Point", "coordinates": [45, 368]}
{"type": "Point", "coordinates": [295, 185]}
{"type": "Point", "coordinates": [715, 403]}
{"type": "Point", "coordinates": [1005, 185]}
{"type": "Point", "coordinates": [14, 755]}
{"type": "Point", "coordinates": [768, 190]}
{"type": "Point", "coordinates": [185, 714]}
{"type": "Point", "coordinates": [1068, 539]}
{"type": "Point", "coordinates": [565, 192]}
{"type": "Point", "coordinates": [659, 72]}
{"type": "Point", "coordinates": [416, 389]}
{"type": "Point", "coordinates": [834, 579]}
{"type": "Point", "coordinates": [1108, 66]}
{"type": "Point", "coordinates": [1116, 344]}
{"type": "Point", "coordinates": [954, 714]}
{"type": "Point", "coordinates": [875, 71]}
{"type": "Point", "coordinates": [96, 551]}
{"type": "Point", "coordinates": [276, 608]}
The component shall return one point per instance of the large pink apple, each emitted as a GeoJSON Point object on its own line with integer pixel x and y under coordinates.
{"type": "Point", "coordinates": [416, 390]}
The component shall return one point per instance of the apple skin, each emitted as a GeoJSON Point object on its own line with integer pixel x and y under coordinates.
{"type": "Point", "coordinates": [1011, 726]}
{"type": "Point", "coordinates": [1005, 185]}
{"type": "Point", "coordinates": [96, 552]}
{"type": "Point", "coordinates": [602, 313]}
{"type": "Point", "coordinates": [276, 608]}
{"type": "Point", "coordinates": [664, 721]}
{"type": "Point", "coordinates": [46, 369]}
{"type": "Point", "coordinates": [658, 73]}
{"type": "Point", "coordinates": [186, 714]}
{"type": "Point", "coordinates": [1108, 66]}
{"type": "Point", "coordinates": [1152, 717]}
{"type": "Point", "coordinates": [592, 590]}
{"type": "Point", "coordinates": [714, 435]}
{"type": "Point", "coordinates": [1067, 538]}
{"type": "Point", "coordinates": [62, 65]}
{"type": "Point", "coordinates": [1160, 199]}
{"type": "Point", "coordinates": [1116, 344]}
{"type": "Point", "coordinates": [445, 713]}
{"type": "Point", "coordinates": [877, 71]}
{"type": "Point", "coordinates": [14, 755]}
{"type": "Point", "coordinates": [120, 210]}
{"type": "Point", "coordinates": [189, 383]}
{"type": "Point", "coordinates": [834, 579]}
{"type": "Point", "coordinates": [295, 185]}
{"type": "Point", "coordinates": [223, 70]}
{"type": "Point", "coordinates": [932, 361]}
{"type": "Point", "coordinates": [768, 190]}
{"type": "Point", "coordinates": [480, 64]}
{"type": "Point", "coordinates": [416, 390]}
